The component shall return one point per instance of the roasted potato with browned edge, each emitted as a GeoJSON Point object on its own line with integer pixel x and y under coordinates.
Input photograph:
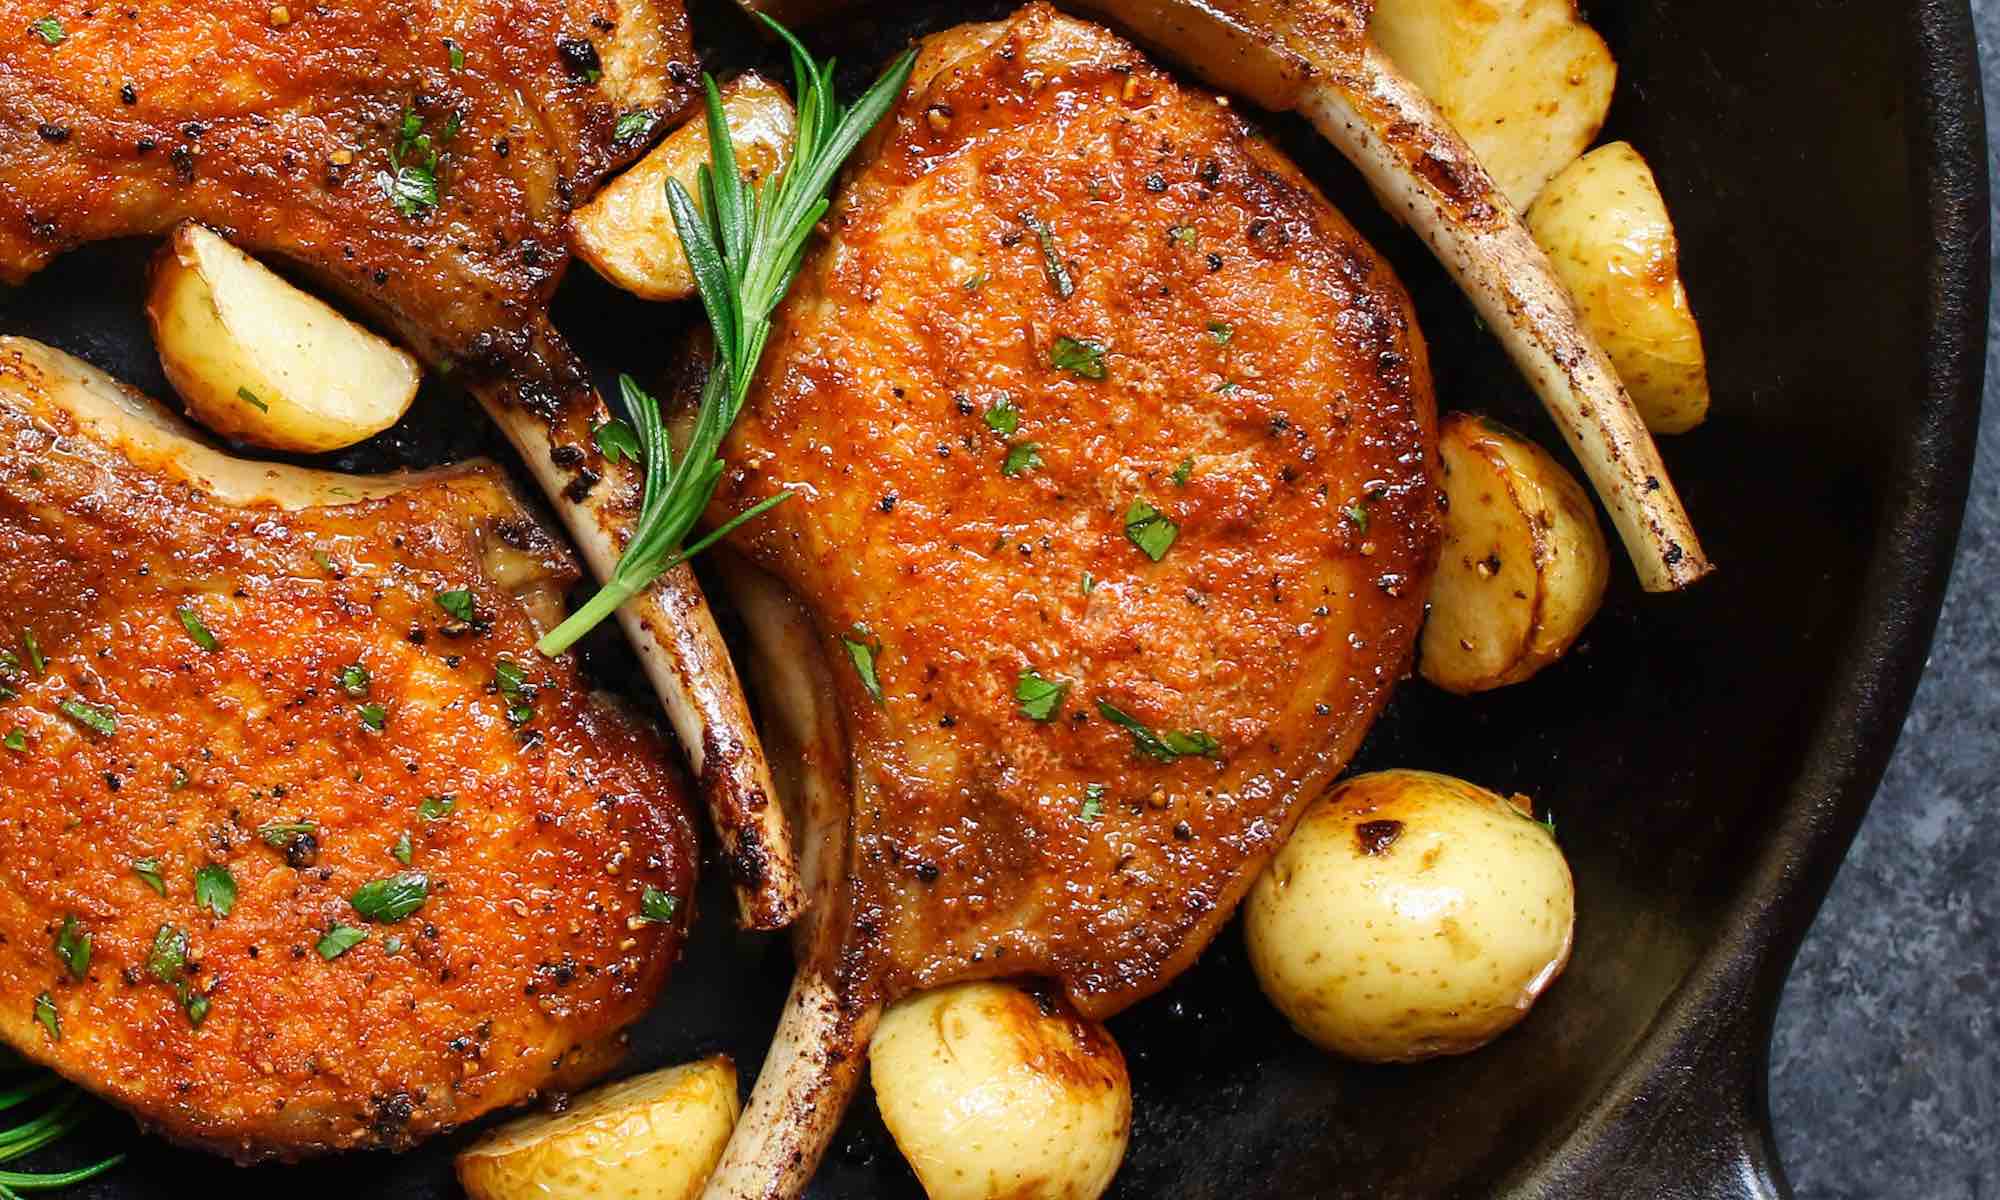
{"type": "Point", "coordinates": [627, 232]}
{"type": "Point", "coordinates": [1526, 82]}
{"type": "Point", "coordinates": [1410, 915]}
{"type": "Point", "coordinates": [259, 361]}
{"type": "Point", "coordinates": [994, 1094]}
{"type": "Point", "coordinates": [652, 1137]}
{"type": "Point", "coordinates": [1604, 225]}
{"type": "Point", "coordinates": [1524, 563]}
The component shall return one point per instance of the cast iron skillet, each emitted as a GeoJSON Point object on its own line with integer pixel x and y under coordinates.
{"type": "Point", "coordinates": [1707, 757]}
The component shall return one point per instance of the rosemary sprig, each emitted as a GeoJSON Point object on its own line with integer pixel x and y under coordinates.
{"type": "Point", "coordinates": [744, 246]}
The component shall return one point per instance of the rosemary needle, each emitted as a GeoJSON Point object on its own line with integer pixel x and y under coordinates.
{"type": "Point", "coordinates": [744, 245]}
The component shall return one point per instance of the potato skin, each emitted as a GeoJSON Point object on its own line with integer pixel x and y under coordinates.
{"type": "Point", "coordinates": [994, 1094]}
{"type": "Point", "coordinates": [627, 232]}
{"type": "Point", "coordinates": [1524, 564]}
{"type": "Point", "coordinates": [1604, 225]}
{"type": "Point", "coordinates": [1411, 915]}
{"type": "Point", "coordinates": [652, 1137]}
{"type": "Point", "coordinates": [261, 362]}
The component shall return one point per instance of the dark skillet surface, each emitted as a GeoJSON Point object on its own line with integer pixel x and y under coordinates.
{"type": "Point", "coordinates": [1706, 756]}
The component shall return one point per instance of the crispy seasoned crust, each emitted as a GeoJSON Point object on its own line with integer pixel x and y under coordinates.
{"type": "Point", "coordinates": [1043, 194]}
{"type": "Point", "coordinates": [529, 953]}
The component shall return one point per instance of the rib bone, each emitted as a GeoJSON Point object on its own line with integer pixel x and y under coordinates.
{"type": "Point", "coordinates": [1314, 57]}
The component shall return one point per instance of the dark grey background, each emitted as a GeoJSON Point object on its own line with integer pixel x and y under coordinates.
{"type": "Point", "coordinates": [1885, 1073]}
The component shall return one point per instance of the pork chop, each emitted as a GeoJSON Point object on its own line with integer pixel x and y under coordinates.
{"type": "Point", "coordinates": [302, 847]}
{"type": "Point", "coordinates": [1113, 450]}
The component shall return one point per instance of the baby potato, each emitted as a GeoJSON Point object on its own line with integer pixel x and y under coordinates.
{"type": "Point", "coordinates": [627, 232]}
{"type": "Point", "coordinates": [1525, 82]}
{"type": "Point", "coordinates": [1410, 915]}
{"type": "Point", "coordinates": [652, 1137]}
{"type": "Point", "coordinates": [1604, 225]}
{"type": "Point", "coordinates": [259, 361]}
{"type": "Point", "coordinates": [1524, 564]}
{"type": "Point", "coordinates": [992, 1093]}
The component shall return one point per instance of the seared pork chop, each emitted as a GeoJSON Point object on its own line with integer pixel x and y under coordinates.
{"type": "Point", "coordinates": [302, 847]}
{"type": "Point", "coordinates": [1112, 445]}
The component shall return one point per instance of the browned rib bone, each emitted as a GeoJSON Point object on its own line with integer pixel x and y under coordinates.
{"type": "Point", "coordinates": [1314, 57]}
{"type": "Point", "coordinates": [280, 134]}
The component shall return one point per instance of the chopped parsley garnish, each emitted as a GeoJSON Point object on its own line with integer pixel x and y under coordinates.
{"type": "Point", "coordinates": [403, 851]}
{"type": "Point", "coordinates": [633, 125]}
{"type": "Point", "coordinates": [1093, 802]}
{"type": "Point", "coordinates": [862, 654]}
{"type": "Point", "coordinates": [339, 940]}
{"type": "Point", "coordinates": [1039, 698]}
{"type": "Point", "coordinates": [37, 662]}
{"type": "Point", "coordinates": [1078, 356]}
{"type": "Point", "coordinates": [386, 901]}
{"type": "Point", "coordinates": [391, 945]}
{"type": "Point", "coordinates": [1357, 512]}
{"type": "Point", "coordinates": [1052, 263]}
{"type": "Point", "coordinates": [1089, 584]}
{"type": "Point", "coordinates": [45, 1010]}
{"type": "Point", "coordinates": [975, 283]}
{"type": "Point", "coordinates": [413, 186]}
{"type": "Point", "coordinates": [324, 562]}
{"type": "Point", "coordinates": [455, 54]}
{"type": "Point", "coordinates": [250, 398]}
{"type": "Point", "coordinates": [1183, 472]}
{"type": "Point", "coordinates": [353, 680]}
{"type": "Point", "coordinates": [215, 889]}
{"type": "Point", "coordinates": [436, 808]}
{"type": "Point", "coordinates": [1222, 331]}
{"type": "Point", "coordinates": [196, 630]}
{"type": "Point", "coordinates": [197, 1006]}
{"type": "Point", "coordinates": [49, 29]}
{"type": "Point", "coordinates": [179, 780]}
{"type": "Point", "coordinates": [148, 871]}
{"type": "Point", "coordinates": [1160, 747]}
{"type": "Point", "coordinates": [280, 834]}
{"type": "Point", "coordinates": [1003, 418]}
{"type": "Point", "coordinates": [513, 684]}
{"type": "Point", "coordinates": [96, 718]}
{"type": "Point", "coordinates": [657, 906]}
{"type": "Point", "coordinates": [167, 962]}
{"type": "Point", "coordinates": [1182, 234]}
{"type": "Point", "coordinates": [1226, 386]}
{"type": "Point", "coordinates": [615, 439]}
{"type": "Point", "coordinates": [1150, 530]}
{"type": "Point", "coordinates": [457, 602]}
{"type": "Point", "coordinates": [374, 716]}
{"type": "Point", "coordinates": [1021, 458]}
{"type": "Point", "coordinates": [16, 740]}
{"type": "Point", "coordinates": [73, 948]}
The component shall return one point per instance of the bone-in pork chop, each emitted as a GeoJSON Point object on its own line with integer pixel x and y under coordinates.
{"type": "Point", "coordinates": [302, 847]}
{"type": "Point", "coordinates": [1112, 442]}
{"type": "Point", "coordinates": [1113, 447]}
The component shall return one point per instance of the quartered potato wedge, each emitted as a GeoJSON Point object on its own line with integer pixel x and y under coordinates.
{"type": "Point", "coordinates": [259, 361]}
{"type": "Point", "coordinates": [1524, 563]}
{"type": "Point", "coordinates": [627, 231]}
{"type": "Point", "coordinates": [1605, 227]}
{"type": "Point", "coordinates": [1526, 82]}
{"type": "Point", "coordinates": [651, 1137]}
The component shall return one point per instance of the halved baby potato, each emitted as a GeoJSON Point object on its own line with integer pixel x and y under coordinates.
{"type": "Point", "coordinates": [259, 361]}
{"type": "Point", "coordinates": [652, 1137]}
{"type": "Point", "coordinates": [994, 1094]}
{"type": "Point", "coordinates": [1604, 225]}
{"type": "Point", "coordinates": [627, 231]}
{"type": "Point", "coordinates": [1525, 82]}
{"type": "Point", "coordinates": [1524, 563]}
